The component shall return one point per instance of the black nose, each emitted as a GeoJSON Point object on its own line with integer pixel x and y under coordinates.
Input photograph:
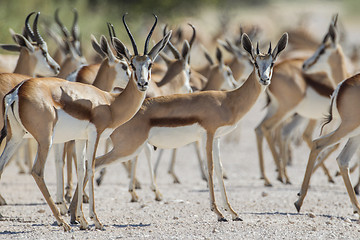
{"type": "Point", "coordinates": [304, 66]}
{"type": "Point", "coordinates": [143, 84]}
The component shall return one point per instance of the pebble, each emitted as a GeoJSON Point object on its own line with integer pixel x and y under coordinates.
{"type": "Point", "coordinates": [311, 215]}
{"type": "Point", "coordinates": [41, 211]}
{"type": "Point", "coordinates": [264, 194]}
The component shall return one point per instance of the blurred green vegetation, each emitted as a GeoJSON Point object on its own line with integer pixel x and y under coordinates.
{"type": "Point", "coordinates": [93, 14]}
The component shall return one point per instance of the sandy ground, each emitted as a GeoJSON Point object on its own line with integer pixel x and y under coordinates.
{"type": "Point", "coordinates": [184, 213]}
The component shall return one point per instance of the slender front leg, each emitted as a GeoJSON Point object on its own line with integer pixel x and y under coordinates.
{"type": "Point", "coordinates": [161, 151]}
{"type": "Point", "coordinates": [219, 174]}
{"type": "Point", "coordinates": [93, 142]}
{"type": "Point", "coordinates": [80, 146]}
{"type": "Point", "coordinates": [259, 141]}
{"type": "Point", "coordinates": [197, 146]}
{"type": "Point", "coordinates": [148, 153]}
{"type": "Point", "coordinates": [171, 167]}
{"type": "Point", "coordinates": [59, 163]}
{"type": "Point", "coordinates": [210, 166]}
{"type": "Point", "coordinates": [69, 151]}
{"type": "Point", "coordinates": [134, 196]}
{"type": "Point", "coordinates": [343, 162]}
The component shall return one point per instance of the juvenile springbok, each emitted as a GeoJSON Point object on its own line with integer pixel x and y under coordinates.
{"type": "Point", "coordinates": [176, 120]}
{"type": "Point", "coordinates": [73, 111]}
{"type": "Point", "coordinates": [343, 107]}
{"type": "Point", "coordinates": [303, 88]}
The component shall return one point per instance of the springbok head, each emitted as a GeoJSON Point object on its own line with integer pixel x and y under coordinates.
{"type": "Point", "coordinates": [228, 82]}
{"type": "Point", "coordinates": [116, 68]}
{"type": "Point", "coordinates": [264, 62]}
{"type": "Point", "coordinates": [35, 52]}
{"type": "Point", "coordinates": [72, 38]}
{"type": "Point", "coordinates": [141, 64]}
{"type": "Point", "coordinates": [327, 54]}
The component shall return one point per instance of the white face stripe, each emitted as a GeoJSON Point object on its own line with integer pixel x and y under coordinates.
{"type": "Point", "coordinates": [264, 66]}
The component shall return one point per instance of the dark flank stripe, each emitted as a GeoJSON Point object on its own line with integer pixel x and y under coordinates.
{"type": "Point", "coordinates": [172, 122]}
{"type": "Point", "coordinates": [320, 88]}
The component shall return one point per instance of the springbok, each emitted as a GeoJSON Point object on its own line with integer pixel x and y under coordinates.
{"type": "Point", "coordinates": [33, 60]}
{"type": "Point", "coordinates": [176, 120]}
{"type": "Point", "coordinates": [220, 78]}
{"type": "Point", "coordinates": [342, 106]}
{"type": "Point", "coordinates": [73, 111]}
{"type": "Point", "coordinates": [175, 80]}
{"type": "Point", "coordinates": [303, 88]}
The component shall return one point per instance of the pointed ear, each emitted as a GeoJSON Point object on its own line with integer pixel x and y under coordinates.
{"type": "Point", "coordinates": [225, 45]}
{"type": "Point", "coordinates": [105, 47]}
{"type": "Point", "coordinates": [207, 55]}
{"type": "Point", "coordinates": [159, 46]}
{"type": "Point", "coordinates": [23, 42]}
{"type": "Point", "coordinates": [12, 32]}
{"type": "Point", "coordinates": [96, 46]}
{"type": "Point", "coordinates": [121, 48]}
{"type": "Point", "coordinates": [186, 51]}
{"type": "Point", "coordinates": [247, 45]}
{"type": "Point", "coordinates": [219, 57]}
{"type": "Point", "coordinates": [281, 45]}
{"type": "Point", "coordinates": [10, 47]}
{"type": "Point", "coordinates": [333, 34]}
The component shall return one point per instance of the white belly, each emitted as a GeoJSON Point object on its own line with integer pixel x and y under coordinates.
{"type": "Point", "coordinates": [174, 137]}
{"type": "Point", "coordinates": [69, 128]}
{"type": "Point", "coordinates": [313, 106]}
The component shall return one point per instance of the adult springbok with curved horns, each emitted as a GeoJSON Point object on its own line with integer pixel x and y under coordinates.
{"type": "Point", "coordinates": [176, 120]}
{"type": "Point", "coordinates": [73, 111]}
{"type": "Point", "coordinates": [303, 88]}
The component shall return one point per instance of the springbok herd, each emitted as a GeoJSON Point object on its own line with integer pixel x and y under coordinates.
{"type": "Point", "coordinates": [143, 101]}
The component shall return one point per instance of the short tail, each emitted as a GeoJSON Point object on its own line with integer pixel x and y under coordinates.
{"type": "Point", "coordinates": [329, 117]}
{"type": "Point", "coordinates": [9, 99]}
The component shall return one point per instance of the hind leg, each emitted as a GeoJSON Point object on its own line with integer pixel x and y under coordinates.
{"type": "Point", "coordinates": [343, 162]}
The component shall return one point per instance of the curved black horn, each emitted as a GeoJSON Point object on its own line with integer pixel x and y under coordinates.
{"type": "Point", "coordinates": [37, 36]}
{"type": "Point", "coordinates": [149, 36]}
{"type": "Point", "coordinates": [110, 31]}
{"type": "Point", "coordinates": [28, 30]}
{"type": "Point", "coordinates": [130, 36]}
{"type": "Point", "coordinates": [75, 27]}
{"type": "Point", "coordinates": [257, 48]}
{"type": "Point", "coordinates": [269, 52]}
{"type": "Point", "coordinates": [61, 25]}
{"type": "Point", "coordinates": [193, 36]}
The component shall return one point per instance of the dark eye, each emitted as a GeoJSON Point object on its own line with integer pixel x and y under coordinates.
{"type": "Point", "coordinates": [150, 65]}
{"type": "Point", "coordinates": [124, 67]}
{"type": "Point", "coordinates": [256, 65]}
{"type": "Point", "coordinates": [272, 64]}
{"type": "Point", "coordinates": [44, 54]}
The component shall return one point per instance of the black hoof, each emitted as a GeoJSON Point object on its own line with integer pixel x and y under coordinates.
{"type": "Point", "coordinates": [288, 183]}
{"type": "Point", "coordinates": [331, 181]}
{"type": "Point", "coordinates": [356, 189]}
{"type": "Point", "coordinates": [74, 222]}
{"type": "Point", "coordinates": [298, 194]}
{"type": "Point", "coordinates": [222, 219]}
{"type": "Point", "coordinates": [268, 185]}
{"type": "Point", "coordinates": [237, 219]}
{"type": "Point", "coordinates": [297, 207]}
{"type": "Point", "coordinates": [98, 181]}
